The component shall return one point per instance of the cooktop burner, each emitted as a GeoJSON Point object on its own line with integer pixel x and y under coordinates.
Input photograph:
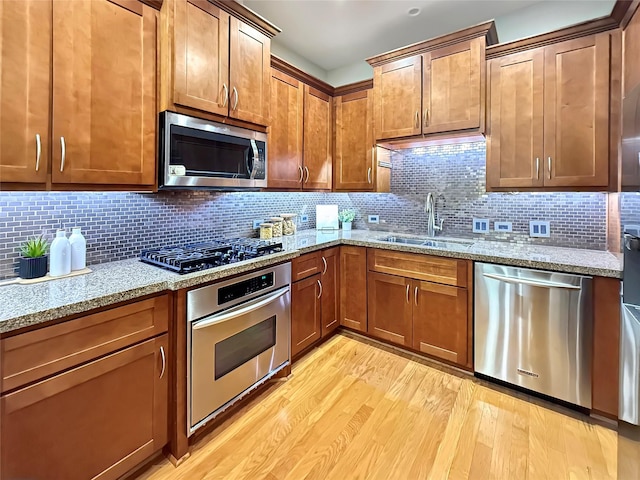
{"type": "Point", "coordinates": [200, 256]}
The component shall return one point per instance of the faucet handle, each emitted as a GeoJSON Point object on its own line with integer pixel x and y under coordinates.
{"type": "Point", "coordinates": [439, 228]}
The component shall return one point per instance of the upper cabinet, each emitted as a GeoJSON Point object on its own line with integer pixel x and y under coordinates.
{"type": "Point", "coordinates": [631, 77]}
{"type": "Point", "coordinates": [99, 102]}
{"type": "Point", "coordinates": [214, 63]}
{"type": "Point", "coordinates": [434, 87]}
{"type": "Point", "coordinates": [549, 116]}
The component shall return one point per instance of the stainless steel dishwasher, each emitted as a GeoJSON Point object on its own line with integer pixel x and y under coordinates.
{"type": "Point", "coordinates": [534, 329]}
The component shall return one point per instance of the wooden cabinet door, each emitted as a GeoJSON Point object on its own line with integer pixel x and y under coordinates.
{"type": "Point", "coordinates": [285, 132]}
{"type": "Point", "coordinates": [516, 121]}
{"type": "Point", "coordinates": [330, 289]}
{"type": "Point", "coordinates": [317, 140]}
{"type": "Point", "coordinates": [397, 89]}
{"type": "Point", "coordinates": [249, 73]}
{"type": "Point", "coordinates": [98, 420]}
{"type": "Point", "coordinates": [389, 300]}
{"type": "Point", "coordinates": [353, 166]}
{"type": "Point", "coordinates": [576, 113]}
{"type": "Point", "coordinates": [25, 86]}
{"type": "Point", "coordinates": [440, 321]}
{"type": "Point", "coordinates": [104, 96]}
{"type": "Point", "coordinates": [631, 66]}
{"type": "Point", "coordinates": [452, 87]}
{"type": "Point", "coordinates": [305, 313]}
{"type": "Point", "coordinates": [201, 56]}
{"type": "Point", "coordinates": [353, 287]}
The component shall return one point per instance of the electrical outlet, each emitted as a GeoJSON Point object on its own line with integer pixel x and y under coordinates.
{"type": "Point", "coordinates": [374, 219]}
{"type": "Point", "coordinates": [539, 228]}
{"type": "Point", "coordinates": [480, 225]}
{"type": "Point", "coordinates": [304, 218]}
{"type": "Point", "coordinates": [632, 229]}
{"type": "Point", "coordinates": [256, 223]}
{"type": "Point", "coordinates": [502, 226]}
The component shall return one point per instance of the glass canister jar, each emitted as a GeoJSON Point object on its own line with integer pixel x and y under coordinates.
{"type": "Point", "coordinates": [289, 223]}
{"type": "Point", "coordinates": [266, 231]}
{"type": "Point", "coordinates": [277, 226]}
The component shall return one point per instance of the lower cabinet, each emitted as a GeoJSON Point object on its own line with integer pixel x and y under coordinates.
{"type": "Point", "coordinates": [305, 313]}
{"type": "Point", "coordinates": [353, 287]}
{"type": "Point", "coordinates": [390, 308]}
{"type": "Point", "coordinates": [329, 279]}
{"type": "Point", "coordinates": [98, 420]}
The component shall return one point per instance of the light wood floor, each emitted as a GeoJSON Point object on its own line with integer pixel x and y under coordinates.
{"type": "Point", "coordinates": [352, 410]}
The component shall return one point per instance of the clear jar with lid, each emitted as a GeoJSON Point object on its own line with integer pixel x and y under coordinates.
{"type": "Point", "coordinates": [277, 226]}
{"type": "Point", "coordinates": [289, 223]}
{"type": "Point", "coordinates": [266, 231]}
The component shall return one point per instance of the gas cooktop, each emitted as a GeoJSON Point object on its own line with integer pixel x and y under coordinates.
{"type": "Point", "coordinates": [201, 256]}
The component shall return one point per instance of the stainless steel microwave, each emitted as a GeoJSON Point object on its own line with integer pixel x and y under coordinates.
{"type": "Point", "coordinates": [199, 154]}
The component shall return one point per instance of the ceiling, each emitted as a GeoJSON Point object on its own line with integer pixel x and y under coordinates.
{"type": "Point", "coordinates": [335, 33]}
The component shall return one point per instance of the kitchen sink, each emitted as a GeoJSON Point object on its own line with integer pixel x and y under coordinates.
{"type": "Point", "coordinates": [427, 242]}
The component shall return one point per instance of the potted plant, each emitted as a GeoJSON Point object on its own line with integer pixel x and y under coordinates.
{"type": "Point", "coordinates": [347, 216]}
{"type": "Point", "coordinates": [33, 262]}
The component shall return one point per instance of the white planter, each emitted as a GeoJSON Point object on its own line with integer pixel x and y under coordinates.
{"type": "Point", "coordinates": [346, 225]}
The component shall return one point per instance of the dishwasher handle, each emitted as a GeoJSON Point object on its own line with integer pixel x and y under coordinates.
{"type": "Point", "coordinates": [531, 283]}
{"type": "Point", "coordinates": [240, 310]}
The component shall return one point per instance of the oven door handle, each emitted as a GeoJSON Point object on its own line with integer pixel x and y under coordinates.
{"type": "Point", "coordinates": [240, 310]}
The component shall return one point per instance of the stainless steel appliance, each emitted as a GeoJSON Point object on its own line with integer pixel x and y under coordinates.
{"type": "Point", "coordinates": [534, 329]}
{"type": "Point", "coordinates": [238, 337]}
{"type": "Point", "coordinates": [629, 398]}
{"type": "Point", "coordinates": [199, 154]}
{"type": "Point", "coordinates": [200, 256]}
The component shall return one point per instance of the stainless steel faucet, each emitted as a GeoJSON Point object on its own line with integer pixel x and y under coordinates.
{"type": "Point", "coordinates": [430, 210]}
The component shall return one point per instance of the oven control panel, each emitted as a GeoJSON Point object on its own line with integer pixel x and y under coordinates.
{"type": "Point", "coordinates": [245, 287]}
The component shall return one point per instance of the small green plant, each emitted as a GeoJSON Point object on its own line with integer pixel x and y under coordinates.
{"type": "Point", "coordinates": [34, 247]}
{"type": "Point", "coordinates": [347, 215]}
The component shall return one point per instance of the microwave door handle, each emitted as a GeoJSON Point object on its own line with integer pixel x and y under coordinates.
{"type": "Point", "coordinates": [240, 310]}
{"type": "Point", "coordinates": [255, 158]}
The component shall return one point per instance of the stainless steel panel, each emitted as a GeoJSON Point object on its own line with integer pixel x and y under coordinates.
{"type": "Point", "coordinates": [629, 400]}
{"type": "Point", "coordinates": [534, 329]}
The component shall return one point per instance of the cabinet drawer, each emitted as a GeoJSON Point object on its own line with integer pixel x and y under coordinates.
{"type": "Point", "coordinates": [306, 265]}
{"type": "Point", "coordinates": [40, 353]}
{"type": "Point", "coordinates": [448, 271]}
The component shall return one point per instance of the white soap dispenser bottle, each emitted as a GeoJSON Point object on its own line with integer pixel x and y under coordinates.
{"type": "Point", "coordinates": [78, 249]}
{"type": "Point", "coordinates": [60, 260]}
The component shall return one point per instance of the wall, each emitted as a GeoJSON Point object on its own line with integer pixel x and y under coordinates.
{"type": "Point", "coordinates": [291, 57]}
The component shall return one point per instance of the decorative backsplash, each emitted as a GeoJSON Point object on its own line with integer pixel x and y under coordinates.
{"type": "Point", "coordinates": [118, 225]}
{"type": "Point", "coordinates": [629, 209]}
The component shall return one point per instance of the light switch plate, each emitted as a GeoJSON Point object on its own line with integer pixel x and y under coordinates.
{"type": "Point", "coordinates": [374, 219]}
{"type": "Point", "coordinates": [539, 229]}
{"type": "Point", "coordinates": [304, 218]}
{"type": "Point", "coordinates": [256, 223]}
{"type": "Point", "coordinates": [480, 225]}
{"type": "Point", "coordinates": [503, 226]}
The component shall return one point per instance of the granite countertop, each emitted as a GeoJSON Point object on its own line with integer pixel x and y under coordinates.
{"type": "Point", "coordinates": [110, 283]}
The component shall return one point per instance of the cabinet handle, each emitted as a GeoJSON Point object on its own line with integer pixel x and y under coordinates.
{"type": "Point", "coordinates": [301, 174]}
{"type": "Point", "coordinates": [226, 94]}
{"type": "Point", "coordinates": [417, 119]}
{"type": "Point", "coordinates": [549, 165]}
{"type": "Point", "coordinates": [369, 175]}
{"type": "Point", "coordinates": [306, 169]}
{"type": "Point", "coordinates": [164, 361]}
{"type": "Point", "coordinates": [320, 285]}
{"type": "Point", "coordinates": [38, 151]}
{"type": "Point", "coordinates": [63, 148]}
{"type": "Point", "coordinates": [537, 167]}
{"type": "Point", "coordinates": [324, 261]}
{"type": "Point", "coordinates": [408, 287]}
{"type": "Point", "coordinates": [415, 296]}
{"type": "Point", "coordinates": [235, 105]}
{"type": "Point", "coordinates": [426, 117]}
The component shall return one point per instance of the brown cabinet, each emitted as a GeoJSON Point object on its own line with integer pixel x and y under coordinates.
{"type": "Point", "coordinates": [317, 140]}
{"type": "Point", "coordinates": [631, 66]}
{"type": "Point", "coordinates": [390, 313]}
{"type": "Point", "coordinates": [103, 61]}
{"type": "Point", "coordinates": [213, 62]}
{"type": "Point", "coordinates": [549, 118]}
{"type": "Point", "coordinates": [353, 287]}
{"type": "Point", "coordinates": [25, 85]}
{"type": "Point", "coordinates": [89, 395]}
{"type": "Point", "coordinates": [305, 313]}
{"type": "Point", "coordinates": [353, 167]}
{"type": "Point", "coordinates": [330, 282]}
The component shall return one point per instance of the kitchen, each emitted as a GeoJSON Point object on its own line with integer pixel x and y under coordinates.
{"type": "Point", "coordinates": [470, 322]}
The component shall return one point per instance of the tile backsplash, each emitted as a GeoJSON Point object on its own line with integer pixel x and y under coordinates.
{"type": "Point", "coordinates": [118, 225]}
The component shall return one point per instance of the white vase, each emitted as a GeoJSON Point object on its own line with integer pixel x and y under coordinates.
{"type": "Point", "coordinates": [60, 255]}
{"type": "Point", "coordinates": [346, 225]}
{"type": "Point", "coordinates": [78, 249]}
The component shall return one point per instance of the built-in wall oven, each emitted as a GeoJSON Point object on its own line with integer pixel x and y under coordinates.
{"type": "Point", "coordinates": [201, 154]}
{"type": "Point", "coordinates": [238, 337]}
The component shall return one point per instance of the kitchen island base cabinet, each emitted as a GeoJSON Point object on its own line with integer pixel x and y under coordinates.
{"type": "Point", "coordinates": [98, 420]}
{"type": "Point", "coordinates": [353, 288]}
{"type": "Point", "coordinates": [305, 313]}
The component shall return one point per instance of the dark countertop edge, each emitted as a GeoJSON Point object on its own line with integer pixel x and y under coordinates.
{"type": "Point", "coordinates": [200, 278]}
